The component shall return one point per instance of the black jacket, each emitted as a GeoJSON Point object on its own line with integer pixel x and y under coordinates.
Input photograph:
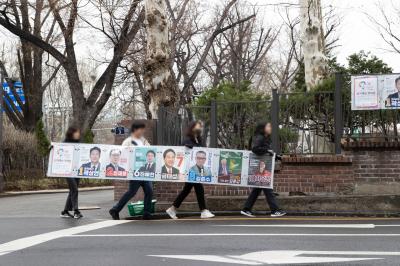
{"type": "Point", "coordinates": [190, 143]}
{"type": "Point", "coordinates": [261, 145]}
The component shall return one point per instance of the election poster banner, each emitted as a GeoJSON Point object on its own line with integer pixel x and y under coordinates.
{"type": "Point", "coordinates": [365, 92]}
{"type": "Point", "coordinates": [161, 163]}
{"type": "Point", "coordinates": [201, 165]}
{"type": "Point", "coordinates": [144, 163]}
{"type": "Point", "coordinates": [230, 167]}
{"type": "Point", "coordinates": [89, 161]}
{"type": "Point", "coordinates": [375, 92]}
{"type": "Point", "coordinates": [62, 160]}
{"type": "Point", "coordinates": [115, 161]}
{"type": "Point", "coordinates": [173, 163]}
{"type": "Point", "coordinates": [260, 171]}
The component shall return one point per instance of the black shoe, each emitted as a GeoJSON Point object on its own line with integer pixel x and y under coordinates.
{"type": "Point", "coordinates": [77, 215]}
{"type": "Point", "coordinates": [147, 217]}
{"type": "Point", "coordinates": [66, 214]}
{"type": "Point", "coordinates": [114, 214]}
{"type": "Point", "coordinates": [278, 213]}
{"type": "Point", "coordinates": [247, 213]}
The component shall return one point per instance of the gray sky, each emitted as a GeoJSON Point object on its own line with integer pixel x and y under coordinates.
{"type": "Point", "coordinates": [356, 32]}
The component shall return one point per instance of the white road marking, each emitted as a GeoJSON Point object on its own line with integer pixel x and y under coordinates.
{"type": "Point", "coordinates": [223, 234]}
{"type": "Point", "coordinates": [30, 241]}
{"type": "Point", "coordinates": [275, 257]}
{"type": "Point", "coordinates": [355, 226]}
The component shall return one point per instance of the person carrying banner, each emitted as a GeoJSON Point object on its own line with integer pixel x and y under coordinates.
{"type": "Point", "coordinates": [136, 139]}
{"type": "Point", "coordinates": [73, 135]}
{"type": "Point", "coordinates": [193, 139]}
{"type": "Point", "coordinates": [260, 145]}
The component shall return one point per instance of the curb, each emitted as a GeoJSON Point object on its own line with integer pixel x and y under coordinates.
{"type": "Point", "coordinates": [51, 191]}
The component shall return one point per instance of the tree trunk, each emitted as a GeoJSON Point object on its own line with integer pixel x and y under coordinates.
{"type": "Point", "coordinates": [313, 42]}
{"type": "Point", "coordinates": [158, 78]}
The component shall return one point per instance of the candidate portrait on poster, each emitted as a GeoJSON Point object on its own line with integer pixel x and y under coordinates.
{"type": "Point", "coordinates": [200, 167]}
{"type": "Point", "coordinates": [90, 162]}
{"type": "Point", "coordinates": [230, 167]}
{"type": "Point", "coordinates": [260, 171]}
{"type": "Point", "coordinates": [115, 166]}
{"type": "Point", "coordinates": [392, 84]}
{"type": "Point", "coordinates": [145, 163]}
{"type": "Point", "coordinates": [169, 170]}
{"type": "Point", "coordinates": [172, 161]}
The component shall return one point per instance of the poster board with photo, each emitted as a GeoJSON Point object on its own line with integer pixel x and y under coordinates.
{"type": "Point", "coordinates": [171, 163]}
{"type": "Point", "coordinates": [375, 92]}
{"type": "Point", "coordinates": [200, 166]}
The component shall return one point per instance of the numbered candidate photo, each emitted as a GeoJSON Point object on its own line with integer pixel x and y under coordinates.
{"type": "Point", "coordinates": [200, 170]}
{"type": "Point", "coordinates": [230, 167]}
{"type": "Point", "coordinates": [145, 163]}
{"type": "Point", "coordinates": [117, 164]}
{"type": "Point", "coordinates": [89, 160]}
{"type": "Point", "coordinates": [260, 171]}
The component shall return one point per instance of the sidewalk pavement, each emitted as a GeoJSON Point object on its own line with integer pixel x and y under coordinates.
{"type": "Point", "coordinates": [51, 191]}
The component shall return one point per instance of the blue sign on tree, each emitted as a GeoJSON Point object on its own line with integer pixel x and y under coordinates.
{"type": "Point", "coordinates": [20, 93]}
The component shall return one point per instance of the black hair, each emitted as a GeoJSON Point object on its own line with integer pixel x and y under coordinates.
{"type": "Point", "coordinates": [397, 80]}
{"type": "Point", "coordinates": [168, 150]}
{"type": "Point", "coordinates": [260, 130]}
{"type": "Point", "coordinates": [189, 131]}
{"type": "Point", "coordinates": [203, 152]}
{"type": "Point", "coordinates": [69, 135]}
{"type": "Point", "coordinates": [137, 125]}
{"type": "Point", "coordinates": [95, 149]}
{"type": "Point", "coordinates": [150, 151]}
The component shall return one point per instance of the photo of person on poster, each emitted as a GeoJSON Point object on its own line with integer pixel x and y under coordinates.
{"type": "Point", "coordinates": [260, 177]}
{"type": "Point", "coordinates": [230, 167]}
{"type": "Point", "coordinates": [114, 169]}
{"type": "Point", "coordinates": [91, 168]}
{"type": "Point", "coordinates": [168, 171]}
{"type": "Point", "coordinates": [148, 167]}
{"type": "Point", "coordinates": [200, 172]}
{"type": "Point", "coordinates": [223, 168]}
{"type": "Point", "coordinates": [393, 100]}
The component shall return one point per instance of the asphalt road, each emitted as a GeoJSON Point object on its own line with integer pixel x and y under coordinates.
{"type": "Point", "coordinates": [31, 233]}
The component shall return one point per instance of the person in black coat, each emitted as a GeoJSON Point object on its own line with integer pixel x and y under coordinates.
{"type": "Point", "coordinates": [193, 139]}
{"type": "Point", "coordinates": [261, 145]}
{"type": "Point", "coordinates": [73, 135]}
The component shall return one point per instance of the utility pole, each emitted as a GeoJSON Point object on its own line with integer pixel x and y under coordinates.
{"type": "Point", "coordinates": [2, 184]}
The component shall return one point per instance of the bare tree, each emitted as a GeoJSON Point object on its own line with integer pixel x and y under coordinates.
{"type": "Point", "coordinates": [387, 25]}
{"type": "Point", "coordinates": [313, 42]}
{"type": "Point", "coordinates": [119, 23]}
{"type": "Point", "coordinates": [36, 22]}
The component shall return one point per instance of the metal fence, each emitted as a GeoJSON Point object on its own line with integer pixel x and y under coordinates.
{"type": "Point", "coordinates": [316, 122]}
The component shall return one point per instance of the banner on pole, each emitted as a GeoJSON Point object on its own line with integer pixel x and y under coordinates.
{"type": "Point", "coordinates": [162, 163]}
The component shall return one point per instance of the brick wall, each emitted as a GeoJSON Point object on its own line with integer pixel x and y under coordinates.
{"type": "Point", "coordinates": [367, 169]}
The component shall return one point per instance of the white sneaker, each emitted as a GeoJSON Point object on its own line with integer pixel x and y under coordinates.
{"type": "Point", "coordinates": [205, 214]}
{"type": "Point", "coordinates": [172, 213]}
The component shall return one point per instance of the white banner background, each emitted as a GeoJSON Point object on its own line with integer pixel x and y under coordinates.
{"type": "Point", "coordinates": [162, 163]}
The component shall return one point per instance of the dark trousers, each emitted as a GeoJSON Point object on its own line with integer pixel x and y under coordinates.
{"type": "Point", "coordinates": [134, 186]}
{"type": "Point", "coordinates": [269, 196]}
{"type": "Point", "coordinates": [72, 200]}
{"type": "Point", "coordinates": [198, 188]}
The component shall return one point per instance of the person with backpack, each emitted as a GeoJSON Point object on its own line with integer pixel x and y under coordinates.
{"type": "Point", "coordinates": [193, 139]}
{"type": "Point", "coordinates": [261, 145]}
{"type": "Point", "coordinates": [73, 135]}
{"type": "Point", "coordinates": [136, 139]}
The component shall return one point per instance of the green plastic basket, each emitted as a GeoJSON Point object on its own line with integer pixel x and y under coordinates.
{"type": "Point", "coordinates": [136, 208]}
